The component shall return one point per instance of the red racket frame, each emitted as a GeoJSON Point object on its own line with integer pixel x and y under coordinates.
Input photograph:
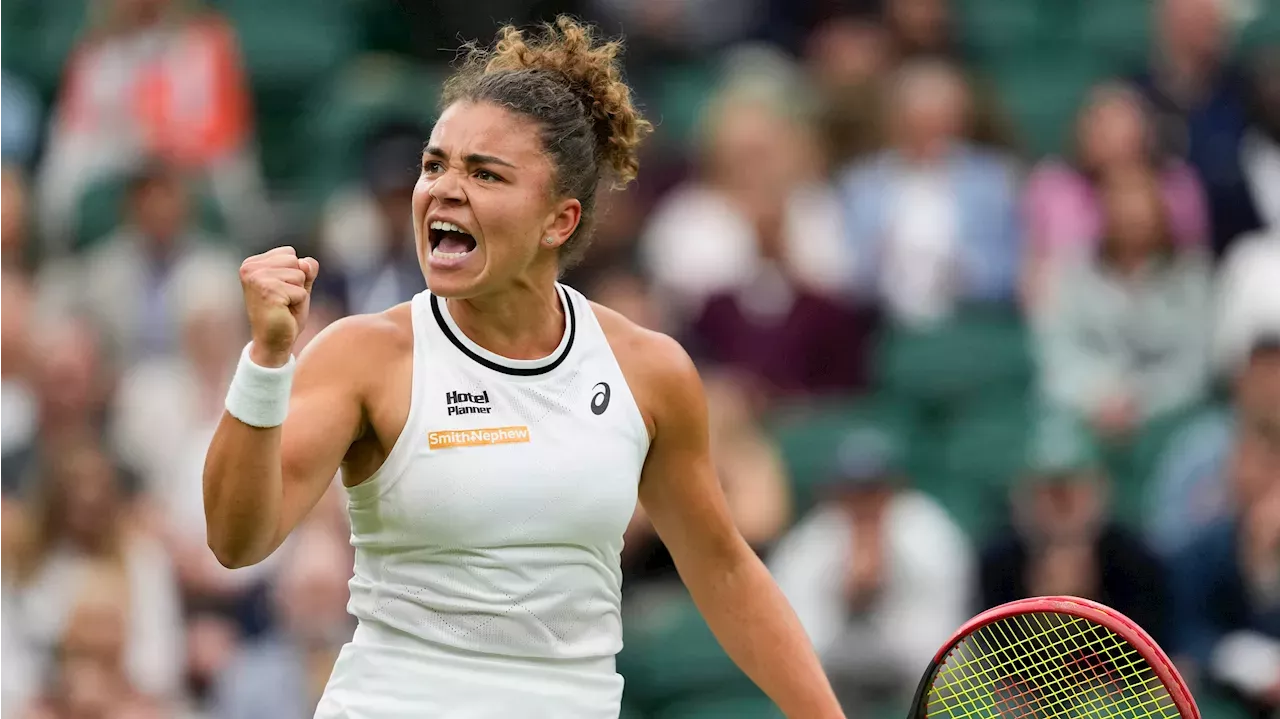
{"type": "Point", "coordinates": [1100, 614]}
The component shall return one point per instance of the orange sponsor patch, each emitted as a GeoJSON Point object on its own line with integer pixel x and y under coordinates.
{"type": "Point", "coordinates": [444, 439]}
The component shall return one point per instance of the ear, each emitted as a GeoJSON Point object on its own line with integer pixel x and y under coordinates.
{"type": "Point", "coordinates": [563, 220]}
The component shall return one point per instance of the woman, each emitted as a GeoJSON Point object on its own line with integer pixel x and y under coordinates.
{"type": "Point", "coordinates": [79, 533]}
{"type": "Point", "coordinates": [494, 432]}
{"type": "Point", "coordinates": [1062, 204]}
{"type": "Point", "coordinates": [151, 79]}
{"type": "Point", "coordinates": [1123, 333]}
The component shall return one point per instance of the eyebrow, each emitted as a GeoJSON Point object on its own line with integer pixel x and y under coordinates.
{"type": "Point", "coordinates": [472, 159]}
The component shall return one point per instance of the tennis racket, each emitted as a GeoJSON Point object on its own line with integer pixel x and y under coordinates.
{"type": "Point", "coordinates": [1052, 658]}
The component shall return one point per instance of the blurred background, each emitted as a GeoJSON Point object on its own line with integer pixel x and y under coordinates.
{"type": "Point", "coordinates": [986, 294]}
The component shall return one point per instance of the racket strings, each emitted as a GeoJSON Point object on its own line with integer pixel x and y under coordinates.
{"type": "Point", "coordinates": [1047, 666]}
{"type": "Point", "coordinates": [1020, 685]}
{"type": "Point", "coordinates": [1064, 681]}
{"type": "Point", "coordinates": [1048, 685]}
{"type": "Point", "coordinates": [1013, 680]}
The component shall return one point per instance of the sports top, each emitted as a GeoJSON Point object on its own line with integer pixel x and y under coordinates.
{"type": "Point", "coordinates": [487, 578]}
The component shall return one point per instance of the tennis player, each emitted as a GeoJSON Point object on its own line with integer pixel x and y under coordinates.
{"type": "Point", "coordinates": [495, 432]}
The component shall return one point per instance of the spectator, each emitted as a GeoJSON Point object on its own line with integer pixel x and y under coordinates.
{"type": "Point", "coordinates": [1190, 489]}
{"type": "Point", "coordinates": [1199, 99]}
{"type": "Point", "coordinates": [165, 403]}
{"type": "Point", "coordinates": [1063, 210]}
{"type": "Point", "coordinates": [370, 237]}
{"type": "Point", "coordinates": [79, 530]}
{"type": "Point", "coordinates": [128, 284]}
{"type": "Point", "coordinates": [673, 30]}
{"type": "Point", "coordinates": [878, 574]}
{"type": "Point", "coordinates": [152, 78]}
{"type": "Point", "coordinates": [1062, 539]}
{"type": "Point", "coordinates": [1248, 302]}
{"type": "Point", "coordinates": [89, 677]}
{"type": "Point", "coordinates": [1227, 582]}
{"type": "Point", "coordinates": [15, 252]}
{"type": "Point", "coordinates": [751, 473]}
{"type": "Point", "coordinates": [631, 296]}
{"type": "Point", "coordinates": [282, 675]}
{"type": "Point", "coordinates": [19, 405]}
{"type": "Point", "coordinates": [848, 57]}
{"type": "Point", "coordinates": [1260, 150]}
{"type": "Point", "coordinates": [1123, 334]}
{"type": "Point", "coordinates": [615, 245]}
{"type": "Point", "coordinates": [1249, 280]}
{"type": "Point", "coordinates": [759, 200]}
{"type": "Point", "coordinates": [925, 29]}
{"type": "Point", "coordinates": [71, 384]}
{"type": "Point", "coordinates": [932, 221]}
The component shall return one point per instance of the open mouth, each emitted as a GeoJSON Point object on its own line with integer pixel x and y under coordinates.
{"type": "Point", "coordinates": [448, 241]}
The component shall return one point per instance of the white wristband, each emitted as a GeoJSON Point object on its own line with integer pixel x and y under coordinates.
{"type": "Point", "coordinates": [259, 396]}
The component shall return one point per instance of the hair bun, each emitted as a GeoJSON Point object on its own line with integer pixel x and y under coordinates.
{"type": "Point", "coordinates": [591, 69]}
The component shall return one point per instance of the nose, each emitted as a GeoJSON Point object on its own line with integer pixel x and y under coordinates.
{"type": "Point", "coordinates": [447, 189]}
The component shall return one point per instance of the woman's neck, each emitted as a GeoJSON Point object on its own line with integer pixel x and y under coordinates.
{"type": "Point", "coordinates": [524, 321]}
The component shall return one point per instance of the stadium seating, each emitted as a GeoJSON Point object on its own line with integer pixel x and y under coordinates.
{"type": "Point", "coordinates": [373, 88]}
{"type": "Point", "coordinates": [39, 36]}
{"type": "Point", "coordinates": [101, 208]}
{"type": "Point", "coordinates": [288, 54]}
{"type": "Point", "coordinates": [671, 656]}
{"type": "Point", "coordinates": [809, 439]}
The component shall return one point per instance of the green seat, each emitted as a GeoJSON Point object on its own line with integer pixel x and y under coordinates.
{"type": "Point", "coordinates": [1117, 30]}
{"type": "Point", "coordinates": [1133, 464]}
{"type": "Point", "coordinates": [984, 449]}
{"type": "Point", "coordinates": [751, 706]}
{"type": "Point", "coordinates": [101, 209]}
{"type": "Point", "coordinates": [978, 351]}
{"type": "Point", "coordinates": [288, 53]}
{"type": "Point", "coordinates": [809, 440]}
{"type": "Point", "coordinates": [371, 90]}
{"type": "Point", "coordinates": [996, 28]}
{"type": "Point", "coordinates": [40, 35]}
{"type": "Point", "coordinates": [678, 96]}
{"type": "Point", "coordinates": [1044, 95]}
{"type": "Point", "coordinates": [670, 655]}
{"type": "Point", "coordinates": [1263, 29]}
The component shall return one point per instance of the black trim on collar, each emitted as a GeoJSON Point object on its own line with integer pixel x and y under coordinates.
{"type": "Point", "coordinates": [570, 321]}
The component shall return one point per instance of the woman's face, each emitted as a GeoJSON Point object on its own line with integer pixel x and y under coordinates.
{"type": "Point", "coordinates": [920, 24]}
{"type": "Point", "coordinates": [88, 493]}
{"type": "Point", "coordinates": [1113, 131]}
{"type": "Point", "coordinates": [484, 202]}
{"type": "Point", "coordinates": [1134, 216]}
{"type": "Point", "coordinates": [13, 212]}
{"type": "Point", "coordinates": [1067, 508]}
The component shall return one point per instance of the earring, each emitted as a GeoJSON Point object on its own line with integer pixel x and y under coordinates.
{"type": "Point", "coordinates": [550, 241]}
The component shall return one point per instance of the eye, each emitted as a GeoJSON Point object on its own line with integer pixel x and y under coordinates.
{"type": "Point", "coordinates": [486, 176]}
{"type": "Point", "coordinates": [432, 167]}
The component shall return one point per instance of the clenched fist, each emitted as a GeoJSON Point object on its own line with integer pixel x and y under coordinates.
{"type": "Point", "coordinates": [277, 295]}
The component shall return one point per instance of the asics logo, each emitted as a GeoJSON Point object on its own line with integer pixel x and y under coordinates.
{"type": "Point", "coordinates": [600, 400]}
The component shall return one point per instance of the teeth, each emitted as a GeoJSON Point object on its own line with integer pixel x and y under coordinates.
{"type": "Point", "coordinates": [447, 227]}
{"type": "Point", "coordinates": [448, 255]}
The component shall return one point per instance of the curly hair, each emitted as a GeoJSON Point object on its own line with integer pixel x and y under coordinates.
{"type": "Point", "coordinates": [571, 85]}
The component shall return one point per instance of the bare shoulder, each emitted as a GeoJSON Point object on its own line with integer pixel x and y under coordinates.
{"type": "Point", "coordinates": [360, 346]}
{"type": "Point", "coordinates": [659, 371]}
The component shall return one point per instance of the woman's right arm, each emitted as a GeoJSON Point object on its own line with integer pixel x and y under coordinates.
{"type": "Point", "coordinates": [259, 482]}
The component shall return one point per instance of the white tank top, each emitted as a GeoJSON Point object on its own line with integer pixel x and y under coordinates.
{"type": "Point", "coordinates": [490, 537]}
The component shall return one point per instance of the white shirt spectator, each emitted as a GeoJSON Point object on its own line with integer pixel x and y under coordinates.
{"type": "Point", "coordinates": [697, 244]}
{"type": "Point", "coordinates": [928, 591]}
{"type": "Point", "coordinates": [1248, 297]}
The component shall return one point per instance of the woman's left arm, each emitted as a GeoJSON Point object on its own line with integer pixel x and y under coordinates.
{"type": "Point", "coordinates": [730, 585]}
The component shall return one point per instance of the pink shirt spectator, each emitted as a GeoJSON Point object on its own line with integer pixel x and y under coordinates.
{"type": "Point", "coordinates": [1064, 215]}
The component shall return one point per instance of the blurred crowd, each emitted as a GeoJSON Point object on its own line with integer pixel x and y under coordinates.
{"type": "Point", "coordinates": [985, 295]}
